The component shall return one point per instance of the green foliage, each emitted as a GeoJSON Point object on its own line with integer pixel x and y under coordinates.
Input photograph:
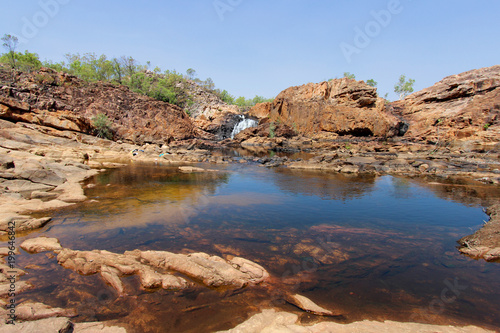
{"type": "Point", "coordinates": [403, 87]}
{"type": "Point", "coordinates": [486, 126]}
{"type": "Point", "coordinates": [169, 86]}
{"type": "Point", "coordinates": [243, 102]}
{"type": "Point", "coordinates": [102, 126]}
{"type": "Point", "coordinates": [225, 96]}
{"type": "Point", "coordinates": [26, 61]}
{"type": "Point", "coordinates": [371, 83]}
{"type": "Point", "coordinates": [272, 128]}
{"type": "Point", "coordinates": [349, 75]}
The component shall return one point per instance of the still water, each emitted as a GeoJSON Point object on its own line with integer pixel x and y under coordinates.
{"type": "Point", "coordinates": [370, 247]}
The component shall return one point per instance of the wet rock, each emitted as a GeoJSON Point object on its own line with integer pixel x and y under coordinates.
{"type": "Point", "coordinates": [213, 271]}
{"type": "Point", "coordinates": [153, 268]}
{"type": "Point", "coordinates": [41, 244]}
{"type": "Point", "coordinates": [306, 304]}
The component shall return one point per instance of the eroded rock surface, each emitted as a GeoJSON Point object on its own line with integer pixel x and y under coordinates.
{"type": "Point", "coordinates": [459, 107]}
{"type": "Point", "coordinates": [341, 106]}
{"type": "Point", "coordinates": [64, 102]}
{"type": "Point", "coordinates": [156, 269]}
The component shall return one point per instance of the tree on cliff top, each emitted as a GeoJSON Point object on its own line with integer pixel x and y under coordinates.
{"type": "Point", "coordinates": [349, 75]}
{"type": "Point", "coordinates": [10, 43]}
{"type": "Point", "coordinates": [403, 88]}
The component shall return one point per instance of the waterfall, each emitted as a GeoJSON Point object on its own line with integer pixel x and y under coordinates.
{"type": "Point", "coordinates": [243, 125]}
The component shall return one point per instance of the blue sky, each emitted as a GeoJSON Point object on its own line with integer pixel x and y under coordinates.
{"type": "Point", "coordinates": [263, 47]}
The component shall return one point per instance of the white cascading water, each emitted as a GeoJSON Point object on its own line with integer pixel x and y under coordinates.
{"type": "Point", "coordinates": [243, 125]}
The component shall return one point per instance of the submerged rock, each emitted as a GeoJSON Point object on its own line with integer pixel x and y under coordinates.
{"type": "Point", "coordinates": [156, 269]}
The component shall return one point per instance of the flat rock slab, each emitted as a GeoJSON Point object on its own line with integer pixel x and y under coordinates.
{"type": "Point", "coordinates": [271, 321]}
{"type": "Point", "coordinates": [35, 311]}
{"type": "Point", "coordinates": [41, 244]}
{"type": "Point", "coordinates": [49, 325]}
{"type": "Point", "coordinates": [22, 185]}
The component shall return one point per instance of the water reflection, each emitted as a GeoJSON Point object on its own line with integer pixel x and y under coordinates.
{"type": "Point", "coordinates": [326, 185]}
{"type": "Point", "coordinates": [373, 247]}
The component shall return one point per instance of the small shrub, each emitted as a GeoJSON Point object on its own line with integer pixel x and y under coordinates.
{"type": "Point", "coordinates": [272, 128]}
{"type": "Point", "coordinates": [102, 126]}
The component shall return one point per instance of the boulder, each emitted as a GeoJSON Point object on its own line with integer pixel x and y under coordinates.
{"type": "Point", "coordinates": [341, 106]}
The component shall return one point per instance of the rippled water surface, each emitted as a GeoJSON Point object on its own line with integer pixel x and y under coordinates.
{"type": "Point", "coordinates": [370, 247]}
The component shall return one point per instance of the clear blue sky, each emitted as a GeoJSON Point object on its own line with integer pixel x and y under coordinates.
{"type": "Point", "coordinates": [257, 47]}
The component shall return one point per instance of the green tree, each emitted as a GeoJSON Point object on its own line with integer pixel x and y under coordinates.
{"type": "Point", "coordinates": [209, 84]}
{"type": "Point", "coordinates": [349, 75]}
{"type": "Point", "coordinates": [225, 96]}
{"type": "Point", "coordinates": [10, 43]}
{"type": "Point", "coordinates": [404, 87]}
{"type": "Point", "coordinates": [191, 73]}
{"type": "Point", "coordinates": [371, 83]}
{"type": "Point", "coordinates": [102, 126]}
{"type": "Point", "coordinates": [240, 101]}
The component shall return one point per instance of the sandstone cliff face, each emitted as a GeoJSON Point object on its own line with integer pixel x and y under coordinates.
{"type": "Point", "coordinates": [341, 106]}
{"type": "Point", "coordinates": [463, 107]}
{"type": "Point", "coordinates": [64, 102]}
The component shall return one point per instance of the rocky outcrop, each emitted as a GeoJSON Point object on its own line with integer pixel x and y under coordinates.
{"type": "Point", "coordinates": [484, 243]}
{"type": "Point", "coordinates": [458, 108]}
{"type": "Point", "coordinates": [62, 101]}
{"type": "Point", "coordinates": [261, 110]}
{"type": "Point", "coordinates": [156, 269]}
{"type": "Point", "coordinates": [341, 106]}
{"type": "Point", "coordinates": [272, 321]}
